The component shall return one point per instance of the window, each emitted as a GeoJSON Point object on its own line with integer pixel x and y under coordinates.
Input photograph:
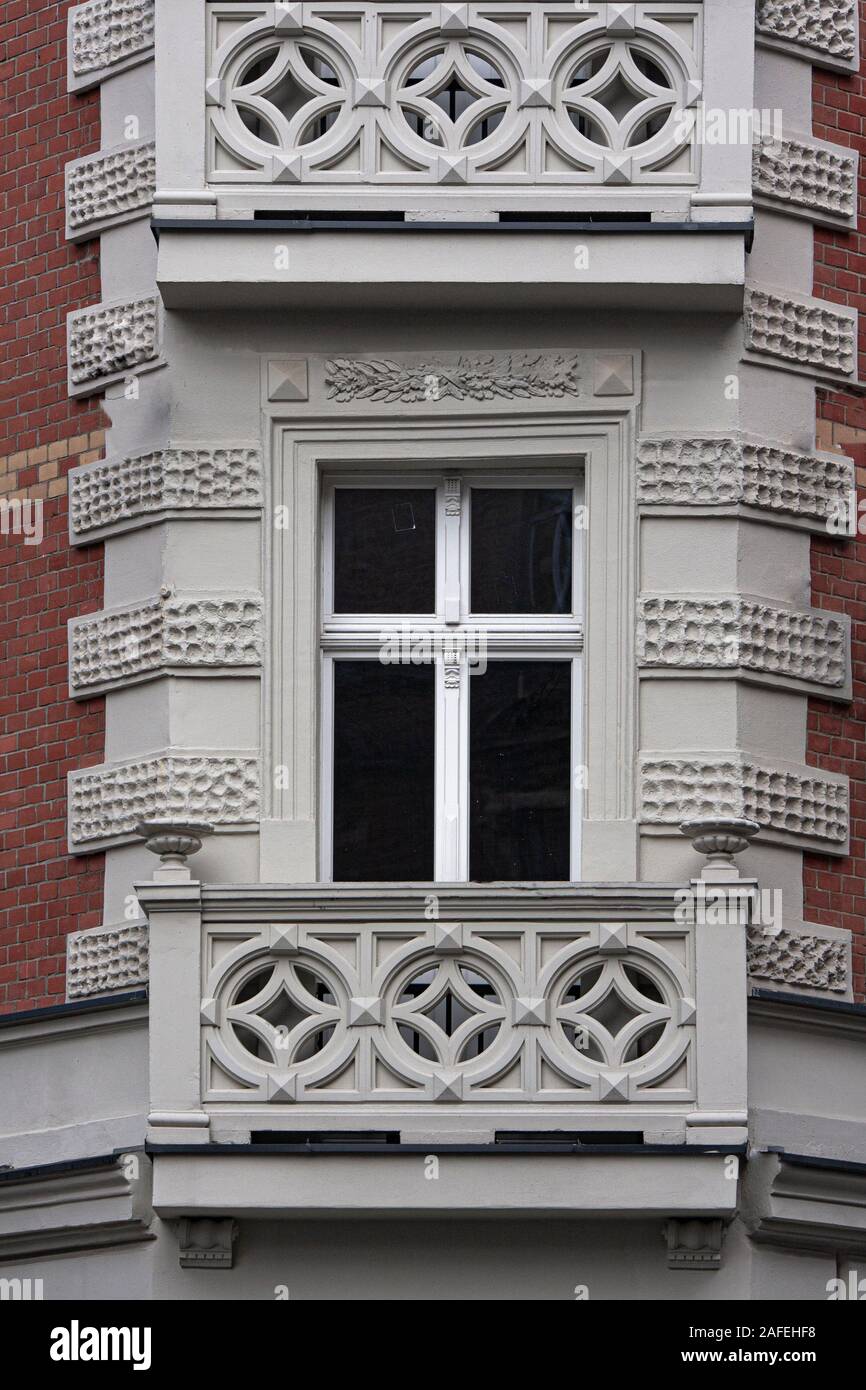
{"type": "Point", "coordinates": [452, 639]}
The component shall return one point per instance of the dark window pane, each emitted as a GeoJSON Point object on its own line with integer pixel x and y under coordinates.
{"type": "Point", "coordinates": [384, 550]}
{"type": "Point", "coordinates": [521, 550]}
{"type": "Point", "coordinates": [384, 732]}
{"type": "Point", "coordinates": [519, 771]}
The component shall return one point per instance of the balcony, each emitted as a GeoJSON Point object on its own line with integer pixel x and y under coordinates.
{"type": "Point", "coordinates": [510, 117]}
{"type": "Point", "coordinates": [516, 1018]}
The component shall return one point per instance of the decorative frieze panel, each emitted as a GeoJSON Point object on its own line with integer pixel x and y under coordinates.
{"type": "Point", "coordinates": [810, 335]}
{"type": "Point", "coordinates": [815, 181]}
{"type": "Point", "coordinates": [118, 494]}
{"type": "Point", "coordinates": [170, 631]}
{"type": "Point", "coordinates": [738, 633]}
{"type": "Point", "coordinates": [493, 1013]}
{"type": "Point", "coordinates": [106, 36]}
{"type": "Point", "coordinates": [106, 960]}
{"type": "Point", "coordinates": [823, 29]}
{"type": "Point", "coordinates": [696, 472]}
{"type": "Point", "coordinates": [449, 95]}
{"type": "Point", "coordinates": [107, 188]}
{"type": "Point", "coordinates": [800, 960]}
{"type": "Point", "coordinates": [107, 803]}
{"type": "Point", "coordinates": [110, 342]}
{"type": "Point", "coordinates": [802, 802]}
{"type": "Point", "coordinates": [493, 376]}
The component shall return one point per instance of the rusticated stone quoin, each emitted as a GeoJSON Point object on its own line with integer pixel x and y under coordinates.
{"type": "Point", "coordinates": [810, 335]}
{"type": "Point", "coordinates": [810, 177]}
{"type": "Point", "coordinates": [118, 491]}
{"type": "Point", "coordinates": [106, 34]}
{"type": "Point", "coordinates": [171, 630]}
{"type": "Point", "coordinates": [731, 633]}
{"type": "Point", "coordinates": [109, 187]}
{"type": "Point", "coordinates": [824, 25]}
{"type": "Point", "coordinates": [111, 340]}
{"type": "Point", "coordinates": [801, 959]}
{"type": "Point", "coordinates": [674, 790]}
{"type": "Point", "coordinates": [106, 960]}
{"type": "Point", "coordinates": [699, 472]}
{"type": "Point", "coordinates": [109, 802]}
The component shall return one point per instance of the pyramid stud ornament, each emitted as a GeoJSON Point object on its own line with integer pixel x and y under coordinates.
{"type": "Point", "coordinates": [286, 168]}
{"type": "Point", "coordinates": [283, 939]}
{"type": "Point", "coordinates": [447, 937]}
{"type": "Point", "coordinates": [371, 91]}
{"type": "Point", "coordinates": [613, 938]}
{"type": "Point", "coordinates": [453, 19]}
{"type": "Point", "coordinates": [447, 1085]}
{"type": "Point", "coordinates": [536, 91]}
{"type": "Point", "coordinates": [282, 1088]}
{"type": "Point", "coordinates": [365, 1013]}
{"type": "Point", "coordinates": [531, 1013]}
{"type": "Point", "coordinates": [720, 838]}
{"type": "Point", "coordinates": [287, 19]}
{"type": "Point", "coordinates": [172, 840]}
{"type": "Point", "coordinates": [616, 169]}
{"type": "Point", "coordinates": [620, 19]}
{"type": "Point", "coordinates": [613, 1086]}
{"type": "Point", "coordinates": [452, 169]}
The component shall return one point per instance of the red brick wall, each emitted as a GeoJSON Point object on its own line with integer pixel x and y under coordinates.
{"type": "Point", "coordinates": [836, 889]}
{"type": "Point", "coordinates": [43, 893]}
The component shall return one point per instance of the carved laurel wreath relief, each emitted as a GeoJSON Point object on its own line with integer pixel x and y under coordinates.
{"type": "Point", "coordinates": [453, 93]}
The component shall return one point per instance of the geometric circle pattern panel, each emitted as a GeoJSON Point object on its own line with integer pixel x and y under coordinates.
{"type": "Point", "coordinates": [452, 94]}
{"type": "Point", "coordinates": [446, 1012]}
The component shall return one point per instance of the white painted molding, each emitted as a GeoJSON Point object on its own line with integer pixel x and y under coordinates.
{"type": "Point", "coordinates": [188, 631]}
{"type": "Point", "coordinates": [806, 335]}
{"type": "Point", "coordinates": [108, 188]}
{"type": "Point", "coordinates": [824, 32]}
{"type": "Point", "coordinates": [800, 804]}
{"type": "Point", "coordinates": [106, 37]}
{"type": "Point", "coordinates": [112, 341]}
{"type": "Point", "coordinates": [806, 178]}
{"type": "Point", "coordinates": [814, 958]}
{"type": "Point", "coordinates": [107, 802]}
{"type": "Point", "coordinates": [93, 1204]}
{"type": "Point", "coordinates": [106, 960]}
{"type": "Point", "coordinates": [686, 472]}
{"type": "Point", "coordinates": [120, 494]}
{"type": "Point", "coordinates": [742, 633]}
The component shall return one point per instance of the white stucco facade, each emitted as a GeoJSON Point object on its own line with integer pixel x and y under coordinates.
{"type": "Point", "coordinates": [279, 314]}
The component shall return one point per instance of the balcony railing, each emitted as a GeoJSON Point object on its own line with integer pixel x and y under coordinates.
{"type": "Point", "coordinates": [450, 1011]}
{"type": "Point", "coordinates": [479, 107]}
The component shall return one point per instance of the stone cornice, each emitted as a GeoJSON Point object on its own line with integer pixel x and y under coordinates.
{"type": "Point", "coordinates": [805, 1203]}
{"type": "Point", "coordinates": [82, 1205]}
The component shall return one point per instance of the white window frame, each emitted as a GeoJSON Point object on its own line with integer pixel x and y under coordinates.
{"type": "Point", "coordinates": [509, 637]}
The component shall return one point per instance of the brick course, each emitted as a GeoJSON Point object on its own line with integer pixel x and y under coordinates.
{"type": "Point", "coordinates": [835, 890]}
{"type": "Point", "coordinates": [43, 892]}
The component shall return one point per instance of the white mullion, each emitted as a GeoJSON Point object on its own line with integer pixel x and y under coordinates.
{"type": "Point", "coordinates": [451, 559]}
{"type": "Point", "coordinates": [450, 681]}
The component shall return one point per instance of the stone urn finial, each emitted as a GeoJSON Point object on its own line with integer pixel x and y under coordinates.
{"type": "Point", "coordinates": [172, 840]}
{"type": "Point", "coordinates": [720, 838]}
